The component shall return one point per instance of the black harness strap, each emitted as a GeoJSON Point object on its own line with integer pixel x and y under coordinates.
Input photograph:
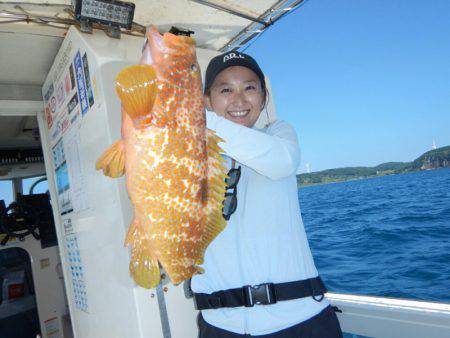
{"type": "Point", "coordinates": [262, 294]}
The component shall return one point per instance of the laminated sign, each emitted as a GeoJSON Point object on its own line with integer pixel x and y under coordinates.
{"type": "Point", "coordinates": [81, 84]}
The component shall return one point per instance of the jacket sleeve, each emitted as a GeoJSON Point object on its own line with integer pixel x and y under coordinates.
{"type": "Point", "coordinates": [274, 154]}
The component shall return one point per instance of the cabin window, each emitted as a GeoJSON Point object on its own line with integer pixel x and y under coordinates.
{"type": "Point", "coordinates": [6, 191]}
{"type": "Point", "coordinates": [39, 185]}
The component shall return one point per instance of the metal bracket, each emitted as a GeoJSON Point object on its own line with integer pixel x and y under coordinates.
{"type": "Point", "coordinates": [113, 32]}
{"type": "Point", "coordinates": [86, 26]}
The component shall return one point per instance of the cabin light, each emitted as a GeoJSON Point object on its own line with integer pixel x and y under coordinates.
{"type": "Point", "coordinates": [112, 13]}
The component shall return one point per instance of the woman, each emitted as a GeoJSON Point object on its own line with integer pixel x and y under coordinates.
{"type": "Point", "coordinates": [260, 278]}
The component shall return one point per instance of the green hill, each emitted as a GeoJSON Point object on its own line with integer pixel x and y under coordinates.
{"type": "Point", "coordinates": [436, 158]}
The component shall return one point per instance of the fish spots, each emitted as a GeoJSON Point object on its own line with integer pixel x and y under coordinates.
{"type": "Point", "coordinates": [167, 177]}
{"type": "Point", "coordinates": [202, 193]}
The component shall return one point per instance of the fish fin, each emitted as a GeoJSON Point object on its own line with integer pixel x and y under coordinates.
{"type": "Point", "coordinates": [179, 277]}
{"type": "Point", "coordinates": [215, 222]}
{"type": "Point", "coordinates": [137, 89]}
{"type": "Point", "coordinates": [112, 161]}
{"type": "Point", "coordinates": [144, 265]}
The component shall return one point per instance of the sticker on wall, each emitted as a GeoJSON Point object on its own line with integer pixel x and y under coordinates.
{"type": "Point", "coordinates": [63, 122]}
{"type": "Point", "coordinates": [79, 75]}
{"type": "Point", "coordinates": [62, 61]}
{"type": "Point", "coordinates": [60, 125]}
{"type": "Point", "coordinates": [55, 134]}
{"type": "Point", "coordinates": [88, 80]}
{"type": "Point", "coordinates": [48, 93]}
{"type": "Point", "coordinates": [74, 116]}
{"type": "Point", "coordinates": [75, 263]}
{"type": "Point", "coordinates": [62, 178]}
{"type": "Point", "coordinates": [53, 105]}
{"type": "Point", "coordinates": [67, 84]}
{"type": "Point", "coordinates": [44, 263]}
{"type": "Point", "coordinates": [48, 116]}
{"type": "Point", "coordinates": [52, 328]}
{"type": "Point", "coordinates": [60, 95]}
{"type": "Point", "coordinates": [67, 226]}
{"type": "Point", "coordinates": [72, 103]}
{"type": "Point", "coordinates": [72, 76]}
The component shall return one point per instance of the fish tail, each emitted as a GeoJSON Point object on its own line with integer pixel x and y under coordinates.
{"type": "Point", "coordinates": [137, 89]}
{"type": "Point", "coordinates": [112, 161]}
{"type": "Point", "coordinates": [144, 267]}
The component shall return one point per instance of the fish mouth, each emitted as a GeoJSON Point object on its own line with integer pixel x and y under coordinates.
{"type": "Point", "coordinates": [154, 46]}
{"type": "Point", "coordinates": [238, 113]}
{"type": "Point", "coordinates": [156, 39]}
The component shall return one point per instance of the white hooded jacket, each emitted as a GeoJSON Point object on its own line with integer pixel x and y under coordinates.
{"type": "Point", "coordinates": [264, 240]}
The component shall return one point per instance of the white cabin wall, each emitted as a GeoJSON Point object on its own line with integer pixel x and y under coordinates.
{"type": "Point", "coordinates": [116, 306]}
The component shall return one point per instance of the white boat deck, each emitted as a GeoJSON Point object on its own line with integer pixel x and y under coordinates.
{"type": "Point", "coordinates": [391, 318]}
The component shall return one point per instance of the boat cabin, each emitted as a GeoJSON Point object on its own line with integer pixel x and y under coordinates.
{"type": "Point", "coordinates": [63, 265]}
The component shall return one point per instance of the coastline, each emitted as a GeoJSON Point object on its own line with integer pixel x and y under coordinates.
{"type": "Point", "coordinates": [309, 184]}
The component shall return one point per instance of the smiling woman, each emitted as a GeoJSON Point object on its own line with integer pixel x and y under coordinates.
{"type": "Point", "coordinates": [264, 244]}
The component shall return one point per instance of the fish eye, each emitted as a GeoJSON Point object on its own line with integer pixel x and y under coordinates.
{"type": "Point", "coordinates": [194, 67]}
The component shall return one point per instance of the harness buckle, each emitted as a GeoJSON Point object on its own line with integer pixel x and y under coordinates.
{"type": "Point", "coordinates": [317, 293]}
{"type": "Point", "coordinates": [261, 294]}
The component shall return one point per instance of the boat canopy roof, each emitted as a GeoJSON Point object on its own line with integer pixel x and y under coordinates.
{"type": "Point", "coordinates": [31, 31]}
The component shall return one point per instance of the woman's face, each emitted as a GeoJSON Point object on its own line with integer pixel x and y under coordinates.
{"type": "Point", "coordinates": [236, 94]}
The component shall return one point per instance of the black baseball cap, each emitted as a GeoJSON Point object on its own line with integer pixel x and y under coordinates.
{"type": "Point", "coordinates": [229, 59]}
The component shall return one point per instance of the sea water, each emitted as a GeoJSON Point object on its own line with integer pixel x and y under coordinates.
{"type": "Point", "coordinates": [387, 236]}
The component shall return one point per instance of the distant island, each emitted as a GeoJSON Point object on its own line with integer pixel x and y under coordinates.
{"type": "Point", "coordinates": [436, 158]}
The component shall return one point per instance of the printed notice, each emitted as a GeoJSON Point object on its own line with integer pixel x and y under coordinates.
{"type": "Point", "coordinates": [88, 80]}
{"type": "Point", "coordinates": [75, 263]}
{"type": "Point", "coordinates": [62, 178]}
{"type": "Point", "coordinates": [76, 174]}
{"type": "Point", "coordinates": [72, 76]}
{"type": "Point", "coordinates": [60, 95]}
{"type": "Point", "coordinates": [48, 93]}
{"type": "Point", "coordinates": [68, 227]}
{"type": "Point", "coordinates": [81, 84]}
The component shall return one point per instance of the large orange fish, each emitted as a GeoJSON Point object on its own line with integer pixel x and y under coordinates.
{"type": "Point", "coordinates": [174, 172]}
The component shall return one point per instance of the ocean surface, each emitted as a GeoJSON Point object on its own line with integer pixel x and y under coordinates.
{"type": "Point", "coordinates": [387, 236]}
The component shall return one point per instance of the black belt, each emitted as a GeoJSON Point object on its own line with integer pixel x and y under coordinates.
{"type": "Point", "coordinates": [267, 293]}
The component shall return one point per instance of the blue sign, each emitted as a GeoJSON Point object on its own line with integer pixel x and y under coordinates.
{"type": "Point", "coordinates": [80, 83]}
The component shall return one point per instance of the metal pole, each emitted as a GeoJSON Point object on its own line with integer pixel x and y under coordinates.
{"type": "Point", "coordinates": [163, 311]}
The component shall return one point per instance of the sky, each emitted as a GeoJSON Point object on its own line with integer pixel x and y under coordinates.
{"type": "Point", "coordinates": [362, 82]}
